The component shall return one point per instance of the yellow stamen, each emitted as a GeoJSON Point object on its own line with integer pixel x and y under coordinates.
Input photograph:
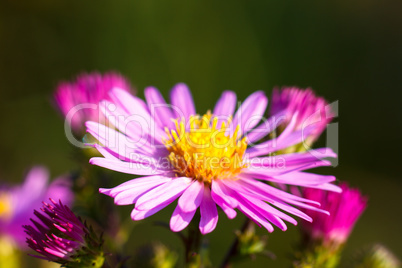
{"type": "Point", "coordinates": [5, 206]}
{"type": "Point", "coordinates": [205, 152]}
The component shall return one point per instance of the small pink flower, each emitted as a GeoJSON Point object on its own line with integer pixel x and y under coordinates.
{"type": "Point", "coordinates": [308, 108]}
{"type": "Point", "coordinates": [58, 235]}
{"type": "Point", "coordinates": [78, 100]}
{"type": "Point", "coordinates": [345, 209]}
{"type": "Point", "coordinates": [204, 161]}
{"type": "Point", "coordinates": [18, 203]}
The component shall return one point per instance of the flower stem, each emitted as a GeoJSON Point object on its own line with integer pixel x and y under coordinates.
{"type": "Point", "coordinates": [233, 250]}
{"type": "Point", "coordinates": [192, 243]}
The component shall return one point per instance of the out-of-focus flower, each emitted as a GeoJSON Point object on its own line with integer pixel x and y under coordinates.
{"type": "Point", "coordinates": [164, 257]}
{"type": "Point", "coordinates": [155, 255]}
{"type": "Point", "coordinates": [375, 256]}
{"type": "Point", "coordinates": [60, 236]}
{"type": "Point", "coordinates": [18, 203]}
{"type": "Point", "coordinates": [309, 110]}
{"type": "Point", "coordinates": [10, 255]}
{"type": "Point", "coordinates": [78, 100]}
{"type": "Point", "coordinates": [204, 161]}
{"type": "Point", "coordinates": [323, 239]}
{"type": "Point", "coordinates": [345, 209]}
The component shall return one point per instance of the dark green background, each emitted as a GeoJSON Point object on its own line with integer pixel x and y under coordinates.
{"type": "Point", "coordinates": [346, 50]}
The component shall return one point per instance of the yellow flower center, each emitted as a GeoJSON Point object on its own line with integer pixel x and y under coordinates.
{"type": "Point", "coordinates": [203, 151]}
{"type": "Point", "coordinates": [5, 206]}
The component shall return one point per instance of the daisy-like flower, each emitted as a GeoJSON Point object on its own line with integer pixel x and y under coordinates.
{"type": "Point", "coordinates": [204, 161]}
{"type": "Point", "coordinates": [345, 209]}
{"type": "Point", "coordinates": [18, 203]}
{"type": "Point", "coordinates": [310, 110]}
{"type": "Point", "coordinates": [78, 100]}
{"type": "Point", "coordinates": [60, 236]}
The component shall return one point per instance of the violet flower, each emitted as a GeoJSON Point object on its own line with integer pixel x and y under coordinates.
{"type": "Point", "coordinates": [204, 161]}
{"type": "Point", "coordinates": [18, 203]}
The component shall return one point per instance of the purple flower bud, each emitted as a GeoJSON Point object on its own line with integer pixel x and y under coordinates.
{"type": "Point", "coordinates": [58, 235]}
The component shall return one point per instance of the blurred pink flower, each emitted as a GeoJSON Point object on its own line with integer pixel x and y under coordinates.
{"type": "Point", "coordinates": [18, 203]}
{"type": "Point", "coordinates": [310, 110]}
{"type": "Point", "coordinates": [204, 161]}
{"type": "Point", "coordinates": [345, 209]}
{"type": "Point", "coordinates": [78, 100]}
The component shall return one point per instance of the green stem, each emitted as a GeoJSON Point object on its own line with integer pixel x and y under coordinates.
{"type": "Point", "coordinates": [233, 250]}
{"type": "Point", "coordinates": [192, 243]}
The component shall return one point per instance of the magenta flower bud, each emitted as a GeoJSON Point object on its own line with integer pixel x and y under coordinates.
{"type": "Point", "coordinates": [78, 100]}
{"type": "Point", "coordinates": [345, 209]}
{"type": "Point", "coordinates": [309, 110]}
{"type": "Point", "coordinates": [58, 235]}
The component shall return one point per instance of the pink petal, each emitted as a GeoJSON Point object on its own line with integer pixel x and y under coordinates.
{"type": "Point", "coordinates": [182, 101]}
{"type": "Point", "coordinates": [267, 173]}
{"type": "Point", "coordinates": [220, 190]}
{"type": "Point", "coordinates": [266, 127]}
{"type": "Point", "coordinates": [263, 208]}
{"type": "Point", "coordinates": [137, 130]}
{"type": "Point", "coordinates": [136, 183]}
{"type": "Point", "coordinates": [278, 197]}
{"type": "Point", "coordinates": [253, 214]}
{"type": "Point", "coordinates": [137, 110]}
{"type": "Point", "coordinates": [136, 160]}
{"type": "Point", "coordinates": [282, 142]}
{"type": "Point", "coordinates": [131, 104]}
{"type": "Point", "coordinates": [191, 199]}
{"type": "Point", "coordinates": [293, 159]}
{"type": "Point", "coordinates": [303, 179]}
{"type": "Point", "coordinates": [164, 193]}
{"type": "Point", "coordinates": [117, 142]}
{"type": "Point", "coordinates": [266, 189]}
{"type": "Point", "coordinates": [225, 106]}
{"type": "Point", "coordinates": [158, 107]}
{"type": "Point", "coordinates": [125, 167]}
{"type": "Point", "coordinates": [137, 215]}
{"type": "Point", "coordinates": [209, 213]}
{"type": "Point", "coordinates": [180, 219]}
{"type": "Point", "coordinates": [230, 212]}
{"type": "Point", "coordinates": [250, 112]}
{"type": "Point", "coordinates": [327, 187]}
{"type": "Point", "coordinates": [273, 215]}
{"type": "Point", "coordinates": [128, 194]}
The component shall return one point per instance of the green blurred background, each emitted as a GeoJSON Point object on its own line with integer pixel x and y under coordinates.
{"type": "Point", "coordinates": [345, 50]}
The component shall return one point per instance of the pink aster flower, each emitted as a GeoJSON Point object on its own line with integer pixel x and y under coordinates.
{"type": "Point", "coordinates": [345, 209]}
{"type": "Point", "coordinates": [58, 235]}
{"type": "Point", "coordinates": [204, 161]}
{"type": "Point", "coordinates": [78, 100]}
{"type": "Point", "coordinates": [17, 203]}
{"type": "Point", "coordinates": [310, 110]}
